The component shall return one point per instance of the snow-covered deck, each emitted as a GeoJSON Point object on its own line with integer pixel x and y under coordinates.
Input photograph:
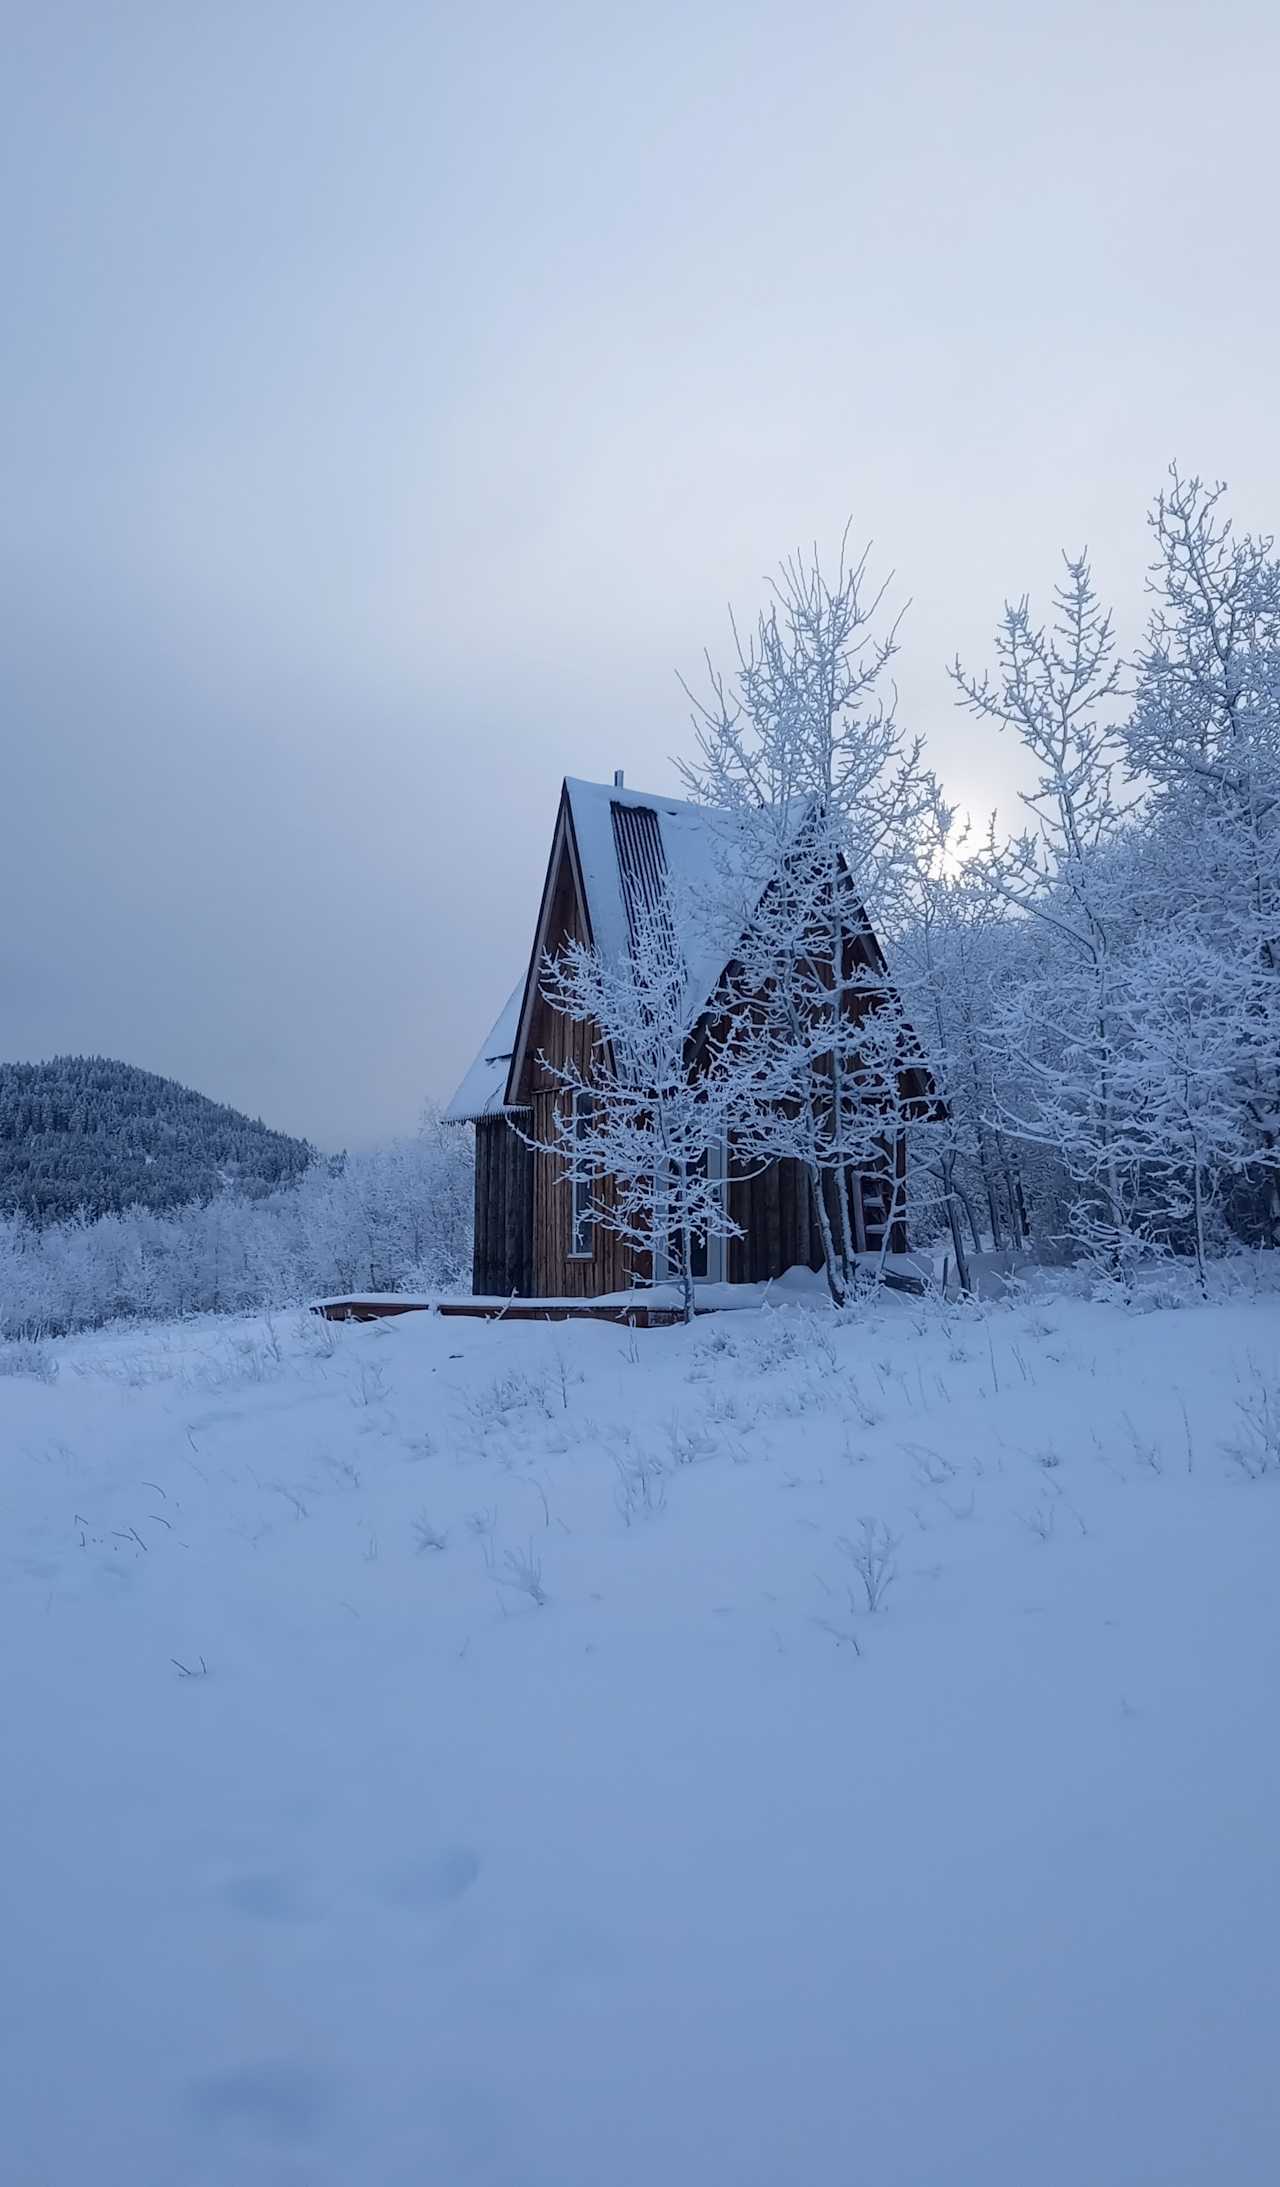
{"type": "Point", "coordinates": [655, 1307]}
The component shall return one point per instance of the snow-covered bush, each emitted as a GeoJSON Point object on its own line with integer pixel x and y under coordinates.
{"type": "Point", "coordinates": [26, 1358]}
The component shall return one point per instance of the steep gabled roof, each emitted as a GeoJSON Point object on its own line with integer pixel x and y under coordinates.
{"type": "Point", "coordinates": [631, 852]}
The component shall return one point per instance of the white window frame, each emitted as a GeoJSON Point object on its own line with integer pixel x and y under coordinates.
{"type": "Point", "coordinates": [582, 1243]}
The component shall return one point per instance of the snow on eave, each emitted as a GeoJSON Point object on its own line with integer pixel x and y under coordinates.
{"type": "Point", "coordinates": [483, 1090]}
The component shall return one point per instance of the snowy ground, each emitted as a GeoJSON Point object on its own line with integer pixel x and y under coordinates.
{"type": "Point", "coordinates": [437, 1752]}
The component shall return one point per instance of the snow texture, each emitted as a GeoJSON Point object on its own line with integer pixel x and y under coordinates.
{"type": "Point", "coordinates": [792, 1748]}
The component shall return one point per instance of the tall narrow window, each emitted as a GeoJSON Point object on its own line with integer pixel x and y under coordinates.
{"type": "Point", "coordinates": [580, 1244]}
{"type": "Point", "coordinates": [707, 1260]}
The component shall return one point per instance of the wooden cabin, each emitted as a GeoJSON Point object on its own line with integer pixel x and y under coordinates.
{"type": "Point", "coordinates": [534, 1237]}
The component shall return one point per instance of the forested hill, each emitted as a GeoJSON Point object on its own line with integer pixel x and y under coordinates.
{"type": "Point", "coordinates": [81, 1133]}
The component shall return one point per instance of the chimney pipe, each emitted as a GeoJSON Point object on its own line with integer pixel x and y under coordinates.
{"type": "Point", "coordinates": [617, 778]}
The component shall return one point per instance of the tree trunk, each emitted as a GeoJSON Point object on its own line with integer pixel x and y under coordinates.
{"type": "Point", "coordinates": [838, 1290]}
{"type": "Point", "coordinates": [957, 1233]}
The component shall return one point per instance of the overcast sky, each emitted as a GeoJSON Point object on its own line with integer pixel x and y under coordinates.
{"type": "Point", "coordinates": [394, 396]}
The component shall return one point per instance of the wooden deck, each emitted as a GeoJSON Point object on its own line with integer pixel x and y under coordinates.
{"type": "Point", "coordinates": [628, 1312]}
{"type": "Point", "coordinates": [356, 1308]}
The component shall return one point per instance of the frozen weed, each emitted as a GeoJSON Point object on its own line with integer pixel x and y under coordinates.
{"type": "Point", "coordinates": [729, 1410]}
{"type": "Point", "coordinates": [867, 1414]}
{"type": "Point", "coordinates": [368, 1385]}
{"type": "Point", "coordinates": [255, 1358]}
{"type": "Point", "coordinates": [427, 1534]}
{"type": "Point", "coordinates": [341, 1472]}
{"type": "Point", "coordinates": [564, 1377]}
{"type": "Point", "coordinates": [1041, 1520]}
{"type": "Point", "coordinates": [690, 1446]}
{"type": "Point", "coordinates": [872, 1556]}
{"type": "Point", "coordinates": [523, 1571]}
{"type": "Point", "coordinates": [932, 1470]}
{"type": "Point", "coordinates": [1255, 1448]}
{"type": "Point", "coordinates": [793, 1401]}
{"type": "Point", "coordinates": [292, 1496]}
{"type": "Point", "coordinates": [317, 1336]}
{"type": "Point", "coordinates": [507, 1395]}
{"type": "Point", "coordinates": [641, 1490]}
{"type": "Point", "coordinates": [842, 1632]}
{"type": "Point", "coordinates": [778, 1341]}
{"type": "Point", "coordinates": [1145, 1448]}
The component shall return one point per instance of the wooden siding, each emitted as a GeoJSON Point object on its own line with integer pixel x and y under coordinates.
{"type": "Point", "coordinates": [557, 1271]}
{"type": "Point", "coordinates": [775, 1208]}
{"type": "Point", "coordinates": [502, 1258]}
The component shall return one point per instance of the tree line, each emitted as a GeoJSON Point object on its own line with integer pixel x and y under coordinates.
{"type": "Point", "coordinates": [393, 1220]}
{"type": "Point", "coordinates": [87, 1136]}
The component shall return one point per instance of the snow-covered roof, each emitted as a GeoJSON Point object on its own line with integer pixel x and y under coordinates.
{"type": "Point", "coordinates": [635, 850]}
{"type": "Point", "coordinates": [705, 864]}
{"type": "Point", "coordinates": [482, 1090]}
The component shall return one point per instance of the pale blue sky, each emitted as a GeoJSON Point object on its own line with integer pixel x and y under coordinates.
{"type": "Point", "coordinates": [393, 396]}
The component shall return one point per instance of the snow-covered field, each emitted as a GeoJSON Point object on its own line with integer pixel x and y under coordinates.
{"type": "Point", "coordinates": [445, 1752]}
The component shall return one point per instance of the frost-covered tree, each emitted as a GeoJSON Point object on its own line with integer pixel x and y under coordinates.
{"type": "Point", "coordinates": [956, 950]}
{"type": "Point", "coordinates": [1065, 874]}
{"type": "Point", "coordinates": [1186, 1138]}
{"type": "Point", "coordinates": [800, 748]}
{"type": "Point", "coordinates": [638, 1131]}
{"type": "Point", "coordinates": [1204, 735]}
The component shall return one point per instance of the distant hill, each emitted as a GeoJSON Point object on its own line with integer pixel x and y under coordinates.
{"type": "Point", "coordinates": [84, 1133]}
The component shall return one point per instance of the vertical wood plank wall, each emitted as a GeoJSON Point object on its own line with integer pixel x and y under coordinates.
{"type": "Point", "coordinates": [557, 1273]}
{"type": "Point", "coordinates": [502, 1257]}
{"type": "Point", "coordinates": [775, 1208]}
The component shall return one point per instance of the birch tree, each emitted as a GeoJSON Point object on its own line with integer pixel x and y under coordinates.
{"type": "Point", "coordinates": [638, 1130]}
{"type": "Point", "coordinates": [1184, 1129]}
{"type": "Point", "coordinates": [1205, 735]}
{"type": "Point", "coordinates": [957, 949]}
{"type": "Point", "coordinates": [800, 748]}
{"type": "Point", "coordinates": [1055, 686]}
